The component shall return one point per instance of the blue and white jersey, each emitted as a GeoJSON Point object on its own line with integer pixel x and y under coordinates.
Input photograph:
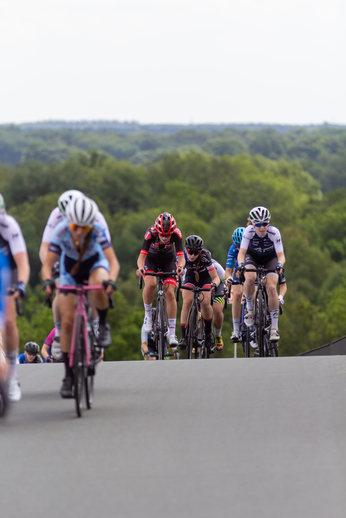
{"type": "Point", "coordinates": [232, 257]}
{"type": "Point", "coordinates": [21, 359]}
{"type": "Point", "coordinates": [62, 242]}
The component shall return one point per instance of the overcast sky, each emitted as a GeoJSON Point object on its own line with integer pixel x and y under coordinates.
{"type": "Point", "coordinates": [173, 61]}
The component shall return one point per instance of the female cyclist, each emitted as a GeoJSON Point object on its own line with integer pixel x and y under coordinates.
{"type": "Point", "coordinates": [201, 272]}
{"type": "Point", "coordinates": [158, 253]}
{"type": "Point", "coordinates": [262, 245]}
{"type": "Point", "coordinates": [237, 288]}
{"type": "Point", "coordinates": [85, 255]}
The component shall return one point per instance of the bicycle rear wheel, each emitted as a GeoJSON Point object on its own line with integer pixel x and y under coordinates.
{"type": "Point", "coordinates": [79, 366]}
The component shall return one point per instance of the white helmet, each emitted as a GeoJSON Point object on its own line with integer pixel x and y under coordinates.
{"type": "Point", "coordinates": [66, 197]}
{"type": "Point", "coordinates": [2, 204]}
{"type": "Point", "coordinates": [82, 211]}
{"type": "Point", "coordinates": [259, 215]}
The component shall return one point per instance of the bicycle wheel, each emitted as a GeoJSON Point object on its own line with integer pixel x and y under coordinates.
{"type": "Point", "coordinates": [160, 330]}
{"type": "Point", "coordinates": [3, 400]}
{"type": "Point", "coordinates": [259, 322]}
{"type": "Point", "coordinates": [79, 366]}
{"type": "Point", "coordinates": [192, 343]}
{"type": "Point", "coordinates": [89, 378]}
{"type": "Point", "coordinates": [273, 349]}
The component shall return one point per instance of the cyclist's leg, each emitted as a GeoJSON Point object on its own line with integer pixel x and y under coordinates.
{"type": "Point", "coordinates": [218, 316]}
{"type": "Point", "coordinates": [171, 307]}
{"type": "Point", "coordinates": [236, 310]}
{"type": "Point", "coordinates": [149, 292]}
{"type": "Point", "coordinates": [187, 301]}
{"type": "Point", "coordinates": [249, 288]}
{"type": "Point", "coordinates": [67, 306]}
{"type": "Point", "coordinates": [273, 299]}
{"type": "Point", "coordinates": [12, 349]}
{"type": "Point", "coordinates": [98, 274]}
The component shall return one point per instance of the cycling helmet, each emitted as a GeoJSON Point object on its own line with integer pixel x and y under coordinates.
{"type": "Point", "coordinates": [259, 215]}
{"type": "Point", "coordinates": [165, 224]}
{"type": "Point", "coordinates": [32, 348]}
{"type": "Point", "coordinates": [194, 243]}
{"type": "Point", "coordinates": [65, 198]}
{"type": "Point", "coordinates": [2, 204]}
{"type": "Point", "coordinates": [237, 235]}
{"type": "Point", "coordinates": [82, 211]}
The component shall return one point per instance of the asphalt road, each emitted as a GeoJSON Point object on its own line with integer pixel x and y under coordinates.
{"type": "Point", "coordinates": [247, 438]}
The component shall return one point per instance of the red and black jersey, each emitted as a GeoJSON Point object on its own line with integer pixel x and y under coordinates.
{"type": "Point", "coordinates": [154, 249]}
{"type": "Point", "coordinates": [203, 263]}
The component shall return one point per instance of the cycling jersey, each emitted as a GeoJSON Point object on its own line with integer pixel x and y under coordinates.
{"type": "Point", "coordinates": [203, 263]}
{"type": "Point", "coordinates": [11, 238]}
{"type": "Point", "coordinates": [154, 249]}
{"type": "Point", "coordinates": [267, 246]}
{"type": "Point", "coordinates": [232, 257]}
{"type": "Point", "coordinates": [5, 278]}
{"type": "Point", "coordinates": [49, 340]}
{"type": "Point", "coordinates": [57, 217]}
{"type": "Point", "coordinates": [37, 359]}
{"type": "Point", "coordinates": [62, 244]}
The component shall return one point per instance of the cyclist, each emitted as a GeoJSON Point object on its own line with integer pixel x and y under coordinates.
{"type": "Point", "coordinates": [86, 255]}
{"type": "Point", "coordinates": [13, 246]}
{"type": "Point", "coordinates": [47, 348]}
{"type": "Point", "coordinates": [31, 354]}
{"type": "Point", "coordinates": [148, 349]}
{"type": "Point", "coordinates": [56, 216]}
{"type": "Point", "coordinates": [218, 305]}
{"type": "Point", "coordinates": [262, 245]}
{"type": "Point", "coordinates": [237, 287]}
{"type": "Point", "coordinates": [158, 253]}
{"type": "Point", "coordinates": [5, 276]}
{"type": "Point", "coordinates": [200, 272]}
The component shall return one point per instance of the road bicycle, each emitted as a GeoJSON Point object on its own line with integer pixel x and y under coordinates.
{"type": "Point", "coordinates": [259, 333]}
{"type": "Point", "coordinates": [197, 345]}
{"type": "Point", "coordinates": [85, 353]}
{"type": "Point", "coordinates": [160, 320]}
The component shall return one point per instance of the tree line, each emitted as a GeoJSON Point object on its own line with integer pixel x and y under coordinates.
{"type": "Point", "coordinates": [319, 150]}
{"type": "Point", "coordinates": [210, 196]}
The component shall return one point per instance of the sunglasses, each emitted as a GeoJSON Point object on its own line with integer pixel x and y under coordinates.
{"type": "Point", "coordinates": [258, 225]}
{"type": "Point", "coordinates": [73, 226]}
{"type": "Point", "coordinates": [193, 252]}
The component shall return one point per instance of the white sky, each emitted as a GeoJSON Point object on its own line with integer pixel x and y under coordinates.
{"type": "Point", "coordinates": [173, 61]}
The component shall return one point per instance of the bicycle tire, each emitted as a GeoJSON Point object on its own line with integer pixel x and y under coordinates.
{"type": "Point", "coordinates": [273, 348]}
{"type": "Point", "coordinates": [3, 400]}
{"type": "Point", "coordinates": [89, 378]}
{"type": "Point", "coordinates": [259, 322]}
{"type": "Point", "coordinates": [79, 366]}
{"type": "Point", "coordinates": [192, 344]}
{"type": "Point", "coordinates": [160, 330]}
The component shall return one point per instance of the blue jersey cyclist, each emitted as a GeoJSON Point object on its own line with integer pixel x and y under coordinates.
{"type": "Point", "coordinates": [237, 288]}
{"type": "Point", "coordinates": [31, 354]}
{"type": "Point", "coordinates": [261, 245]}
{"type": "Point", "coordinates": [85, 255]}
{"type": "Point", "coordinates": [201, 272]}
{"type": "Point", "coordinates": [162, 244]}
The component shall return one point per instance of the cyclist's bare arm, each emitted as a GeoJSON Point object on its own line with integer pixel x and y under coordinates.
{"type": "Point", "coordinates": [46, 270]}
{"type": "Point", "coordinates": [113, 263]}
{"type": "Point", "coordinates": [23, 267]}
{"type": "Point", "coordinates": [140, 264]}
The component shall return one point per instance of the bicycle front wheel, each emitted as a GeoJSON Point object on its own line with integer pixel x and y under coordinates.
{"type": "Point", "coordinates": [79, 366]}
{"type": "Point", "coordinates": [259, 322]}
{"type": "Point", "coordinates": [192, 343]}
{"type": "Point", "coordinates": [160, 331]}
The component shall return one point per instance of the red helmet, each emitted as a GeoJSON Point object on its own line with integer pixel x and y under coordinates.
{"type": "Point", "coordinates": [165, 224]}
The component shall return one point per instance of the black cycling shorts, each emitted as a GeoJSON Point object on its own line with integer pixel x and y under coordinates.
{"type": "Point", "coordinates": [204, 279]}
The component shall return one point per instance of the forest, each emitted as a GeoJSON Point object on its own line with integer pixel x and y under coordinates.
{"type": "Point", "coordinates": [298, 174]}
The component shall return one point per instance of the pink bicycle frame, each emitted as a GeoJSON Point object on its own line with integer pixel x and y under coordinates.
{"type": "Point", "coordinates": [80, 310]}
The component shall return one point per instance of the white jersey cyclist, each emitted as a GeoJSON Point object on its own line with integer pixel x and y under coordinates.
{"type": "Point", "coordinates": [56, 217]}
{"type": "Point", "coordinates": [11, 238]}
{"type": "Point", "coordinates": [267, 246]}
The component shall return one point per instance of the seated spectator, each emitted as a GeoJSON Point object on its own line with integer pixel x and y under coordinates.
{"type": "Point", "coordinates": [31, 354]}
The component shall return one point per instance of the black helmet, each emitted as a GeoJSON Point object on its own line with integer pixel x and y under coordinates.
{"type": "Point", "coordinates": [32, 348]}
{"type": "Point", "coordinates": [194, 244]}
